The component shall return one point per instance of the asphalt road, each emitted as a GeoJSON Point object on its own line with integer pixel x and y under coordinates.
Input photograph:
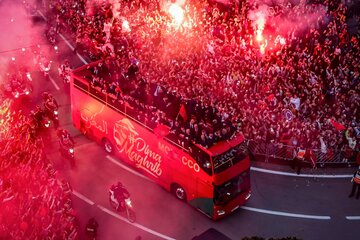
{"type": "Point", "coordinates": [280, 206]}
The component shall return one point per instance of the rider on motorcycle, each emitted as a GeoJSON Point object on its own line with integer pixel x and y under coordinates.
{"type": "Point", "coordinates": [91, 228]}
{"type": "Point", "coordinates": [38, 117]}
{"type": "Point", "coordinates": [64, 71]}
{"type": "Point", "coordinates": [38, 114]}
{"type": "Point", "coordinates": [64, 137]}
{"type": "Point", "coordinates": [118, 195]}
{"type": "Point", "coordinates": [49, 101]}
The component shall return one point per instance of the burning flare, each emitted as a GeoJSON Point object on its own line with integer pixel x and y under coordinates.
{"type": "Point", "coordinates": [260, 24]}
{"type": "Point", "coordinates": [177, 13]}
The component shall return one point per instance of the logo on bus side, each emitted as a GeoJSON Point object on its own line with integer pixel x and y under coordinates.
{"type": "Point", "coordinates": [128, 141]}
{"type": "Point", "coordinates": [91, 120]}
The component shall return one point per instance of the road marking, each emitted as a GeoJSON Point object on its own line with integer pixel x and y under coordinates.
{"type": "Point", "coordinates": [127, 168]}
{"type": "Point", "coordinates": [42, 15]}
{"type": "Point", "coordinates": [134, 224]}
{"type": "Point", "coordinates": [82, 197]}
{"type": "Point", "coordinates": [300, 175]}
{"type": "Point", "coordinates": [72, 48]}
{"type": "Point", "coordinates": [67, 42]}
{"type": "Point", "coordinates": [353, 217]}
{"type": "Point", "coordinates": [286, 214]}
{"type": "Point", "coordinates": [54, 83]}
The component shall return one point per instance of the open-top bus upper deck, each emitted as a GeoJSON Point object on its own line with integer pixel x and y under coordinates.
{"type": "Point", "coordinates": [224, 153]}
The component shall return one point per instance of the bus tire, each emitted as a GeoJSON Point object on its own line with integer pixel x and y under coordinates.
{"type": "Point", "coordinates": [108, 146]}
{"type": "Point", "coordinates": [178, 192]}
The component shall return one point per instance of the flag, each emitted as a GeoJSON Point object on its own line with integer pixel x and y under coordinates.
{"type": "Point", "coordinates": [310, 156]}
{"type": "Point", "coordinates": [182, 112]}
{"type": "Point", "coordinates": [338, 126]}
{"type": "Point", "coordinates": [300, 154]}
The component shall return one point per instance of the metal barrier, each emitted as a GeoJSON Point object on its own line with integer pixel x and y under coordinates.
{"type": "Point", "coordinates": [277, 152]}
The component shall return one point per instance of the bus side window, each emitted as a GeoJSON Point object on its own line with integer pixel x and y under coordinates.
{"type": "Point", "coordinates": [202, 158]}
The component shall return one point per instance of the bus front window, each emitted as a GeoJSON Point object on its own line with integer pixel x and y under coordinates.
{"type": "Point", "coordinates": [227, 159]}
{"type": "Point", "coordinates": [229, 190]}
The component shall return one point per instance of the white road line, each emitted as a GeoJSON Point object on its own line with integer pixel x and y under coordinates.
{"type": "Point", "coordinates": [127, 168]}
{"type": "Point", "coordinates": [82, 197]}
{"type": "Point", "coordinates": [353, 217]}
{"type": "Point", "coordinates": [300, 175]}
{"type": "Point", "coordinates": [72, 48]}
{"type": "Point", "coordinates": [54, 83]}
{"type": "Point", "coordinates": [286, 214]}
{"type": "Point", "coordinates": [67, 42]}
{"type": "Point", "coordinates": [134, 224]}
{"type": "Point", "coordinates": [42, 15]}
{"type": "Point", "coordinates": [81, 58]}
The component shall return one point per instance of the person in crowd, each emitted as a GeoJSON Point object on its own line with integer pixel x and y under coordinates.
{"type": "Point", "coordinates": [356, 184]}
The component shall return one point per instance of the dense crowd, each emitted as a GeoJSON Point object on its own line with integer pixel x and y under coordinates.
{"type": "Point", "coordinates": [35, 203]}
{"type": "Point", "coordinates": [298, 84]}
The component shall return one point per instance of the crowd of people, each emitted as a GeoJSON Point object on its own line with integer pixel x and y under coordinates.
{"type": "Point", "coordinates": [35, 202]}
{"type": "Point", "coordinates": [297, 85]}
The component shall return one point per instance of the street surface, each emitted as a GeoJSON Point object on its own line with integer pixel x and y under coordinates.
{"type": "Point", "coordinates": [280, 206]}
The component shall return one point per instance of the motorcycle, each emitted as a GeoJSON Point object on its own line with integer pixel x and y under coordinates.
{"type": "Point", "coordinates": [67, 149]}
{"type": "Point", "coordinates": [126, 206]}
{"type": "Point", "coordinates": [19, 86]}
{"type": "Point", "coordinates": [40, 120]}
{"type": "Point", "coordinates": [51, 35]}
{"type": "Point", "coordinates": [43, 63]}
{"type": "Point", "coordinates": [51, 111]}
{"type": "Point", "coordinates": [45, 67]}
{"type": "Point", "coordinates": [91, 229]}
{"type": "Point", "coordinates": [64, 73]}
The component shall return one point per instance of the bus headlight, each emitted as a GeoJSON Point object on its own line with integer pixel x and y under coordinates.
{"type": "Point", "coordinates": [220, 212]}
{"type": "Point", "coordinates": [71, 150]}
{"type": "Point", "coordinates": [28, 76]}
{"type": "Point", "coordinates": [207, 165]}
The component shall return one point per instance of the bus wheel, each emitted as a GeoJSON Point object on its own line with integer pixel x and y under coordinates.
{"type": "Point", "coordinates": [109, 148]}
{"type": "Point", "coordinates": [179, 192]}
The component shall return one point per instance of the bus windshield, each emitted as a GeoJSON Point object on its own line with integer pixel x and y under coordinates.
{"type": "Point", "coordinates": [227, 159]}
{"type": "Point", "coordinates": [229, 190]}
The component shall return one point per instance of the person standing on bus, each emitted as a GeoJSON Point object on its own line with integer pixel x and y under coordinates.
{"type": "Point", "coordinates": [356, 184]}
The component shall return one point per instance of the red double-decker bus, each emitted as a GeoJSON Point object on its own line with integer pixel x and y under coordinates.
{"type": "Point", "coordinates": [215, 180]}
